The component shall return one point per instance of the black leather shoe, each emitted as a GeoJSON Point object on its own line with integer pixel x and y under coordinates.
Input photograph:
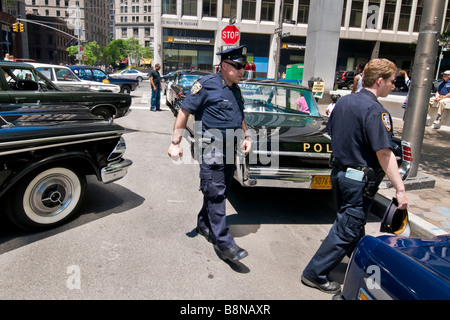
{"type": "Point", "coordinates": [234, 253]}
{"type": "Point", "coordinates": [328, 287]}
{"type": "Point", "coordinates": [207, 234]}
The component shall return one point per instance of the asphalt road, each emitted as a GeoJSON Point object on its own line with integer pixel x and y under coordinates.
{"type": "Point", "coordinates": [135, 238]}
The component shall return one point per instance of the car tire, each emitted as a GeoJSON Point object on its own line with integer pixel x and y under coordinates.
{"type": "Point", "coordinates": [103, 112]}
{"type": "Point", "coordinates": [139, 79]}
{"type": "Point", "coordinates": [126, 89]}
{"type": "Point", "coordinates": [46, 198]}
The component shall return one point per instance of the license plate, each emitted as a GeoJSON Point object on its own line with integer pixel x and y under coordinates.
{"type": "Point", "coordinates": [321, 182]}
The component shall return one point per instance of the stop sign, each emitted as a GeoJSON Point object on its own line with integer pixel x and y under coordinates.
{"type": "Point", "coordinates": [230, 34]}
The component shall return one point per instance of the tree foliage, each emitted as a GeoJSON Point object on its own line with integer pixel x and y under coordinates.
{"type": "Point", "coordinates": [113, 53]}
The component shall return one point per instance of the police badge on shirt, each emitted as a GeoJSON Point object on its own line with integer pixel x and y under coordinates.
{"type": "Point", "coordinates": [196, 87]}
{"type": "Point", "coordinates": [386, 118]}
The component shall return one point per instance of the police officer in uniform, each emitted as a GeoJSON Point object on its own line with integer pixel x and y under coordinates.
{"type": "Point", "coordinates": [217, 104]}
{"type": "Point", "coordinates": [361, 132]}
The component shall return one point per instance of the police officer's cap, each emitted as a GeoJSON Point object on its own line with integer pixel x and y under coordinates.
{"type": "Point", "coordinates": [237, 54]}
{"type": "Point", "coordinates": [395, 220]}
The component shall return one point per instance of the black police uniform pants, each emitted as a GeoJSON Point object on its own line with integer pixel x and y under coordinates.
{"type": "Point", "coordinates": [348, 228]}
{"type": "Point", "coordinates": [215, 181]}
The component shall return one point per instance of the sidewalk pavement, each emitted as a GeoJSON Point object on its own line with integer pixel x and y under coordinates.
{"type": "Point", "coordinates": [429, 192]}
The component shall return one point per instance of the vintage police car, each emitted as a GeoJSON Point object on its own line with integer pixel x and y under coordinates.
{"type": "Point", "coordinates": [290, 145]}
{"type": "Point", "coordinates": [22, 84]}
{"type": "Point", "coordinates": [398, 268]}
{"type": "Point", "coordinates": [46, 151]}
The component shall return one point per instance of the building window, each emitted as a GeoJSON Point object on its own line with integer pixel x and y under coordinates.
{"type": "Point", "coordinates": [124, 32]}
{"type": "Point", "coordinates": [303, 11]}
{"type": "Point", "coordinates": [405, 15]}
{"type": "Point", "coordinates": [189, 7]}
{"type": "Point", "coordinates": [356, 13]}
{"type": "Point", "coordinates": [389, 15]}
{"type": "Point", "coordinates": [288, 8]}
{"type": "Point", "coordinates": [169, 7]}
{"type": "Point", "coordinates": [418, 16]}
{"type": "Point", "coordinates": [209, 8]}
{"type": "Point", "coordinates": [229, 8]}
{"type": "Point", "coordinates": [268, 10]}
{"type": "Point", "coordinates": [447, 21]}
{"type": "Point", "coordinates": [249, 9]}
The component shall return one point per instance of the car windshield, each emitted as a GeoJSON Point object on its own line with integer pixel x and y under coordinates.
{"type": "Point", "coordinates": [188, 80]}
{"type": "Point", "coordinates": [270, 98]}
{"type": "Point", "coordinates": [34, 80]}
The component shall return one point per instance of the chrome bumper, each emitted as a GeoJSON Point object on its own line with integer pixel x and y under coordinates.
{"type": "Point", "coordinates": [115, 170]}
{"type": "Point", "coordinates": [280, 177]}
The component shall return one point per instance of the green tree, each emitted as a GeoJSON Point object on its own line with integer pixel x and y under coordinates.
{"type": "Point", "coordinates": [115, 51]}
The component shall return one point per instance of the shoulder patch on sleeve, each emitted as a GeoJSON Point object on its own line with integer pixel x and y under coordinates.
{"type": "Point", "coordinates": [386, 121]}
{"type": "Point", "coordinates": [196, 87]}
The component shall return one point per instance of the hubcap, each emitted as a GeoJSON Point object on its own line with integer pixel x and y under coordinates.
{"type": "Point", "coordinates": [51, 195]}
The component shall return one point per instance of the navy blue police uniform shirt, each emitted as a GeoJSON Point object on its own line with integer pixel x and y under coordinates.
{"type": "Point", "coordinates": [215, 104]}
{"type": "Point", "coordinates": [359, 126]}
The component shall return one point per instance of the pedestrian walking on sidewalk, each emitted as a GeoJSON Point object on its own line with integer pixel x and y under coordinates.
{"type": "Point", "coordinates": [361, 132]}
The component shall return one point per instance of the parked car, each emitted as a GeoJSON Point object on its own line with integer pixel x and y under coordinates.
{"type": "Point", "coordinates": [344, 79]}
{"type": "Point", "coordinates": [22, 84]}
{"type": "Point", "coordinates": [97, 74]}
{"type": "Point", "coordinates": [398, 268]}
{"type": "Point", "coordinates": [64, 78]}
{"type": "Point", "coordinates": [46, 152]}
{"type": "Point", "coordinates": [180, 86]}
{"type": "Point", "coordinates": [290, 145]}
{"type": "Point", "coordinates": [130, 74]}
{"type": "Point", "coordinates": [166, 81]}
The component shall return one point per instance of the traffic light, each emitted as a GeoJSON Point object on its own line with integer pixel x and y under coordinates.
{"type": "Point", "coordinates": [21, 27]}
{"type": "Point", "coordinates": [15, 27]}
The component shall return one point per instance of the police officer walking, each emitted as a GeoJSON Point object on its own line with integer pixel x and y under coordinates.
{"type": "Point", "coordinates": [217, 104]}
{"type": "Point", "coordinates": [361, 132]}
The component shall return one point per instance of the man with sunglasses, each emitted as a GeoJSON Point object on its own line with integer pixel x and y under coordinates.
{"type": "Point", "coordinates": [218, 107]}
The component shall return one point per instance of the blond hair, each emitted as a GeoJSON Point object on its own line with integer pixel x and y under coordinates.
{"type": "Point", "coordinates": [377, 68]}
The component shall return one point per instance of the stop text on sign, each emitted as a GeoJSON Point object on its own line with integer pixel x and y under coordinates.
{"type": "Point", "coordinates": [230, 34]}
